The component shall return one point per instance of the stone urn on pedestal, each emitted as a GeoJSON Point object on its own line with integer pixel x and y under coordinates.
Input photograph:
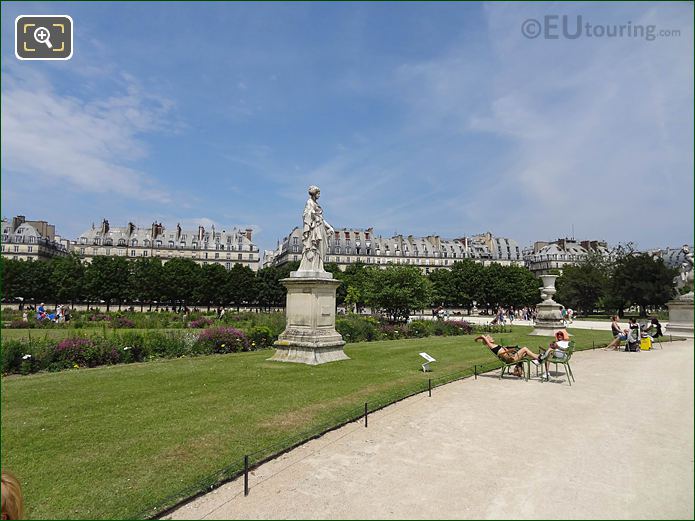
{"type": "Point", "coordinates": [549, 318]}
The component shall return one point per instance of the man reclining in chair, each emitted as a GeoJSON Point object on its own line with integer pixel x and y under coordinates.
{"type": "Point", "coordinates": [509, 354]}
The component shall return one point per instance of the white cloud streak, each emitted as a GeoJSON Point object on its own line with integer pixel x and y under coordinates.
{"type": "Point", "coordinates": [90, 145]}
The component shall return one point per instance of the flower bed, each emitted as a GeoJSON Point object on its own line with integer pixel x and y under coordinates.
{"type": "Point", "coordinates": [117, 345]}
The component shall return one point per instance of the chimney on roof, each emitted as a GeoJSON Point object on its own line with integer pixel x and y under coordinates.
{"type": "Point", "coordinates": [18, 221]}
{"type": "Point", "coordinates": [249, 232]}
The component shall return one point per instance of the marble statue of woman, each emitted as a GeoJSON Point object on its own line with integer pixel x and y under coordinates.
{"type": "Point", "coordinates": [315, 233]}
{"type": "Point", "coordinates": [686, 274]}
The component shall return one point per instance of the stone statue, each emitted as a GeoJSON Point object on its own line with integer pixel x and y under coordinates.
{"type": "Point", "coordinates": [310, 336]}
{"type": "Point", "coordinates": [685, 279]}
{"type": "Point", "coordinates": [315, 233]}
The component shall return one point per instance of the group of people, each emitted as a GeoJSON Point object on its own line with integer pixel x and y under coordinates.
{"type": "Point", "coordinates": [508, 315]}
{"type": "Point", "coordinates": [557, 349]}
{"type": "Point", "coordinates": [515, 354]}
{"type": "Point", "coordinates": [634, 332]}
{"type": "Point", "coordinates": [567, 315]}
{"type": "Point", "coordinates": [61, 314]}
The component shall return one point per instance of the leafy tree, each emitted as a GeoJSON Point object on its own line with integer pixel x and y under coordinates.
{"type": "Point", "coordinates": [67, 278]}
{"type": "Point", "coordinates": [467, 283]}
{"type": "Point", "coordinates": [397, 291]}
{"type": "Point", "coordinates": [213, 285]}
{"type": "Point", "coordinates": [641, 280]}
{"type": "Point", "coordinates": [13, 279]}
{"type": "Point", "coordinates": [352, 298]}
{"type": "Point", "coordinates": [521, 287]}
{"type": "Point", "coordinates": [108, 279]}
{"type": "Point", "coordinates": [443, 291]}
{"type": "Point", "coordinates": [583, 286]}
{"type": "Point", "coordinates": [181, 278]}
{"type": "Point", "coordinates": [241, 285]}
{"type": "Point", "coordinates": [146, 276]}
{"type": "Point", "coordinates": [493, 291]}
{"type": "Point", "coordinates": [338, 274]}
{"type": "Point", "coordinates": [269, 291]}
{"type": "Point", "coordinates": [37, 281]}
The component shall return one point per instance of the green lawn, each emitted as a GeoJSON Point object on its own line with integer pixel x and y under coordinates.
{"type": "Point", "coordinates": [119, 441]}
{"type": "Point", "coordinates": [59, 333]}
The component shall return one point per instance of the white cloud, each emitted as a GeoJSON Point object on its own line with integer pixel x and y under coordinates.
{"type": "Point", "coordinates": [592, 133]}
{"type": "Point", "coordinates": [49, 138]}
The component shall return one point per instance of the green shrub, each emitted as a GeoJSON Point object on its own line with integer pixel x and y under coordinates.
{"type": "Point", "coordinates": [356, 328]}
{"type": "Point", "coordinates": [261, 337]}
{"type": "Point", "coordinates": [223, 340]}
{"type": "Point", "coordinates": [12, 352]}
{"type": "Point", "coordinates": [421, 328]}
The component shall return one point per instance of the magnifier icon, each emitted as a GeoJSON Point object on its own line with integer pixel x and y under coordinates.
{"type": "Point", "coordinates": [43, 35]}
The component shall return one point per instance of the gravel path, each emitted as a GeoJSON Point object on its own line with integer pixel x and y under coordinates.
{"type": "Point", "coordinates": [618, 444]}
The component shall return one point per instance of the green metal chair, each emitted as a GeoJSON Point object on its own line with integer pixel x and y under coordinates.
{"type": "Point", "coordinates": [565, 361]}
{"type": "Point", "coordinates": [525, 366]}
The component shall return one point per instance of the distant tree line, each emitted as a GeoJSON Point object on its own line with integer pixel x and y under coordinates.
{"type": "Point", "coordinates": [145, 282]}
{"type": "Point", "coordinates": [627, 279]}
{"type": "Point", "coordinates": [396, 291]}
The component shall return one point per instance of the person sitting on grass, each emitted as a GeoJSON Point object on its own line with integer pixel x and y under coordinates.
{"type": "Point", "coordinates": [509, 354]}
{"type": "Point", "coordinates": [557, 349]}
{"type": "Point", "coordinates": [619, 336]}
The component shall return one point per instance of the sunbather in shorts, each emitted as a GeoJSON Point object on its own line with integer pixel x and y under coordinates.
{"type": "Point", "coordinates": [509, 354]}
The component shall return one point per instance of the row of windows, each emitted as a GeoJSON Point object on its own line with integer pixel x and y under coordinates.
{"type": "Point", "coordinates": [145, 253]}
{"type": "Point", "coordinates": [378, 260]}
{"type": "Point", "coordinates": [171, 244]}
{"type": "Point", "coordinates": [146, 242]}
{"type": "Point", "coordinates": [555, 257]}
{"type": "Point", "coordinates": [16, 248]}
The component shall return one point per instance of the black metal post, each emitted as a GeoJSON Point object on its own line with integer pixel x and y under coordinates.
{"type": "Point", "coordinates": [593, 344]}
{"type": "Point", "coordinates": [670, 338]}
{"type": "Point", "coordinates": [246, 475]}
{"type": "Point", "coordinates": [429, 386]}
{"type": "Point", "coordinates": [475, 371]}
{"type": "Point", "coordinates": [365, 414]}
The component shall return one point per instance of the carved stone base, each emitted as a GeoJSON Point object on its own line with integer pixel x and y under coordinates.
{"type": "Point", "coordinates": [549, 319]}
{"type": "Point", "coordinates": [680, 317]}
{"type": "Point", "coordinates": [310, 336]}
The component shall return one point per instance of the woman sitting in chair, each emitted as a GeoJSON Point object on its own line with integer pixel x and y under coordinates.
{"type": "Point", "coordinates": [509, 354]}
{"type": "Point", "coordinates": [619, 336]}
{"type": "Point", "coordinates": [556, 349]}
{"type": "Point", "coordinates": [654, 328]}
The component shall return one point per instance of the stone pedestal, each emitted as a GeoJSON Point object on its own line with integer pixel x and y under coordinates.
{"type": "Point", "coordinates": [680, 316]}
{"type": "Point", "coordinates": [549, 319]}
{"type": "Point", "coordinates": [310, 336]}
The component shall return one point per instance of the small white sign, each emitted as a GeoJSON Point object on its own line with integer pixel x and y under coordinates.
{"type": "Point", "coordinates": [427, 357]}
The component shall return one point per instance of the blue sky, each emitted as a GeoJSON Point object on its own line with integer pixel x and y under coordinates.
{"type": "Point", "coordinates": [412, 118]}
